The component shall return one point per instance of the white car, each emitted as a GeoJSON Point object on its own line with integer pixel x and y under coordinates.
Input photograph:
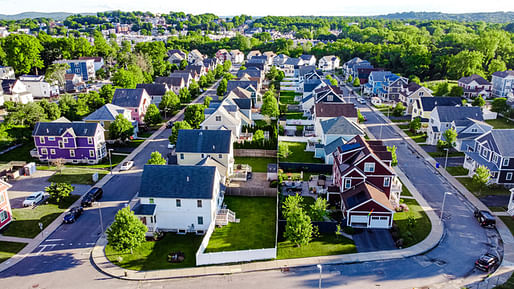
{"type": "Point", "coordinates": [361, 100]}
{"type": "Point", "coordinates": [171, 146]}
{"type": "Point", "coordinates": [125, 166]}
{"type": "Point", "coordinates": [34, 199]}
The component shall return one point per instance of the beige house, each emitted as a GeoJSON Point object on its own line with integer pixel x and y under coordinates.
{"type": "Point", "coordinates": [106, 114]}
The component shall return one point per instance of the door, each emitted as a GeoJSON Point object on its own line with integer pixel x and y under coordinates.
{"type": "Point", "coordinates": [359, 221]}
{"type": "Point", "coordinates": [379, 222]}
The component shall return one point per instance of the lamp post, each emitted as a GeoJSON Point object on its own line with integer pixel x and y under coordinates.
{"type": "Point", "coordinates": [446, 159]}
{"type": "Point", "coordinates": [101, 220]}
{"type": "Point", "coordinates": [442, 206]}
{"type": "Point", "coordinates": [110, 162]}
{"type": "Point", "coordinates": [320, 270]}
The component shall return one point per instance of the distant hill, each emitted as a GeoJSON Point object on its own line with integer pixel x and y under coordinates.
{"type": "Point", "coordinates": [494, 17]}
{"type": "Point", "coordinates": [53, 15]}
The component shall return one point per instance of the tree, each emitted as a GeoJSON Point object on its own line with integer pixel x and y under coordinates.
{"type": "Point", "coordinates": [207, 101]}
{"type": "Point", "coordinates": [496, 64]}
{"type": "Point", "coordinates": [466, 63]}
{"type": "Point", "coordinates": [222, 87]}
{"type": "Point", "coordinates": [258, 135]}
{"type": "Point", "coordinates": [128, 78]}
{"type": "Point", "coordinates": [360, 117]}
{"type": "Point", "coordinates": [153, 115]}
{"type": "Point", "coordinates": [156, 159]}
{"type": "Point", "coordinates": [450, 136]}
{"type": "Point", "coordinates": [478, 101]}
{"type": "Point", "coordinates": [121, 128]}
{"type": "Point", "coordinates": [194, 89]}
{"type": "Point", "coordinates": [283, 150]}
{"type": "Point", "coordinates": [481, 177]}
{"type": "Point", "coordinates": [356, 82]}
{"type": "Point", "coordinates": [194, 115]}
{"type": "Point", "coordinates": [270, 106]}
{"type": "Point", "coordinates": [184, 95]}
{"type": "Point", "coordinates": [26, 114]}
{"type": "Point", "coordinates": [298, 224]}
{"type": "Point", "coordinates": [500, 105]}
{"type": "Point", "coordinates": [127, 231]}
{"type": "Point", "coordinates": [415, 124]}
{"type": "Point", "coordinates": [456, 91]}
{"type": "Point", "coordinates": [318, 210]}
{"type": "Point", "coordinates": [169, 102]}
{"type": "Point", "coordinates": [107, 92]}
{"type": "Point", "coordinates": [203, 81]}
{"type": "Point", "coordinates": [55, 74]}
{"type": "Point", "coordinates": [183, 64]}
{"type": "Point", "coordinates": [59, 191]}
{"type": "Point", "coordinates": [392, 150]}
{"type": "Point", "coordinates": [22, 52]}
{"type": "Point", "coordinates": [398, 109]}
{"type": "Point", "coordinates": [178, 125]}
{"type": "Point", "coordinates": [350, 79]}
{"type": "Point", "coordinates": [242, 67]}
{"type": "Point", "coordinates": [227, 65]}
{"type": "Point", "coordinates": [51, 109]}
{"type": "Point", "coordinates": [58, 164]}
{"type": "Point", "coordinates": [441, 89]}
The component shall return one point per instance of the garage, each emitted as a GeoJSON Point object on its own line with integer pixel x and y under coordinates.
{"type": "Point", "coordinates": [359, 221]}
{"type": "Point", "coordinates": [379, 222]}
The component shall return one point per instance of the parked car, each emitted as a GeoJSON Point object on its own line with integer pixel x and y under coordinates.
{"type": "Point", "coordinates": [169, 124]}
{"type": "Point", "coordinates": [125, 166]}
{"type": "Point", "coordinates": [362, 101]}
{"type": "Point", "coordinates": [487, 262]}
{"type": "Point", "coordinates": [34, 199]}
{"type": "Point", "coordinates": [93, 195]}
{"type": "Point", "coordinates": [72, 215]}
{"type": "Point", "coordinates": [485, 219]}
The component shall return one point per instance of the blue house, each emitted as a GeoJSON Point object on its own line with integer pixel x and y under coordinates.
{"type": "Point", "coordinates": [82, 67]}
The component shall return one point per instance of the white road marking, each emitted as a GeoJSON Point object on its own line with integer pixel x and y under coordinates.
{"type": "Point", "coordinates": [43, 247]}
{"type": "Point", "coordinates": [53, 240]}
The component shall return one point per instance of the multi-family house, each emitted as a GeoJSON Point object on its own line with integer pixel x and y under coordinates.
{"type": "Point", "coordinates": [350, 66]}
{"type": "Point", "coordinates": [231, 113]}
{"type": "Point", "coordinates": [98, 61]}
{"type": "Point", "coordinates": [5, 206]}
{"type": "Point", "coordinates": [377, 82]}
{"type": "Point", "coordinates": [74, 83]}
{"type": "Point", "coordinates": [252, 54]}
{"type": "Point", "coordinates": [84, 68]}
{"type": "Point", "coordinates": [136, 100]}
{"type": "Point", "coordinates": [366, 185]}
{"type": "Point", "coordinates": [503, 84]}
{"type": "Point", "coordinates": [410, 93]}
{"type": "Point", "coordinates": [175, 56]}
{"type": "Point", "coordinates": [362, 73]}
{"type": "Point", "coordinates": [392, 87]}
{"type": "Point", "coordinates": [250, 85]}
{"type": "Point", "coordinates": [38, 87]}
{"type": "Point", "coordinates": [308, 59]}
{"type": "Point", "coordinates": [475, 85]}
{"type": "Point", "coordinates": [195, 57]}
{"type": "Point", "coordinates": [327, 110]}
{"type": "Point", "coordinates": [495, 151]}
{"type": "Point", "coordinates": [328, 63]}
{"type": "Point", "coordinates": [442, 117]}
{"type": "Point", "coordinates": [15, 90]}
{"type": "Point", "coordinates": [237, 56]}
{"type": "Point", "coordinates": [6, 72]}
{"type": "Point", "coordinates": [198, 70]}
{"type": "Point", "coordinates": [280, 60]}
{"type": "Point", "coordinates": [106, 114]}
{"type": "Point", "coordinates": [327, 93]}
{"type": "Point", "coordinates": [181, 199]}
{"type": "Point", "coordinates": [174, 83]}
{"type": "Point", "coordinates": [155, 90]}
{"type": "Point", "coordinates": [467, 130]}
{"type": "Point", "coordinates": [257, 62]}
{"type": "Point", "coordinates": [75, 142]}
{"type": "Point", "coordinates": [211, 63]}
{"type": "Point", "coordinates": [424, 106]}
{"type": "Point", "coordinates": [270, 55]}
{"type": "Point", "coordinates": [223, 55]}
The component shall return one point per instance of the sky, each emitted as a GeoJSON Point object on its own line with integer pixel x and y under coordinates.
{"type": "Point", "coordinates": [260, 8]}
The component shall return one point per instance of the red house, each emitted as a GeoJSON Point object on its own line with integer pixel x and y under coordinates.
{"type": "Point", "coordinates": [5, 207]}
{"type": "Point", "coordinates": [366, 186]}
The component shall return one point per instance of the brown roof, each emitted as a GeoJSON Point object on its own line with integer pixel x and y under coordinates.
{"type": "Point", "coordinates": [241, 92]}
{"type": "Point", "coordinates": [366, 192]}
{"type": "Point", "coordinates": [324, 109]}
{"type": "Point", "coordinates": [95, 58]}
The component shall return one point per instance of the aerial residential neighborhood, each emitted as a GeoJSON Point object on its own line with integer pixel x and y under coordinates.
{"type": "Point", "coordinates": [182, 150]}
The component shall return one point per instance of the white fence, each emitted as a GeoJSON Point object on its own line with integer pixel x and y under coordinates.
{"type": "Point", "coordinates": [299, 122]}
{"type": "Point", "coordinates": [288, 88]}
{"type": "Point", "coordinates": [235, 256]}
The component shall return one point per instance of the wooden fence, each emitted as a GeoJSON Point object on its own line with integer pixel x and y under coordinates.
{"type": "Point", "coordinates": [255, 153]}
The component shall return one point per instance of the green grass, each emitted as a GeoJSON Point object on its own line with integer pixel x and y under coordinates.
{"type": "Point", "coordinates": [404, 126]}
{"type": "Point", "coordinates": [500, 123]}
{"type": "Point", "coordinates": [510, 224]}
{"type": "Point", "coordinates": [26, 223]}
{"type": "Point", "coordinates": [145, 134]}
{"type": "Point", "coordinates": [9, 249]}
{"type": "Point", "coordinates": [288, 93]}
{"type": "Point", "coordinates": [152, 255]}
{"type": "Point", "coordinates": [135, 143]}
{"type": "Point", "coordinates": [256, 229]}
{"type": "Point", "coordinates": [457, 171]}
{"type": "Point", "coordinates": [77, 176]}
{"type": "Point", "coordinates": [492, 190]}
{"type": "Point", "coordinates": [287, 99]}
{"type": "Point", "coordinates": [19, 154]}
{"type": "Point", "coordinates": [296, 176]}
{"type": "Point", "coordinates": [258, 164]}
{"type": "Point", "coordinates": [115, 159]}
{"type": "Point", "coordinates": [498, 209]}
{"type": "Point", "coordinates": [419, 231]}
{"type": "Point", "coordinates": [299, 155]}
{"type": "Point", "coordinates": [405, 191]}
{"type": "Point", "coordinates": [417, 137]}
{"type": "Point", "coordinates": [324, 245]}
{"type": "Point", "coordinates": [294, 115]}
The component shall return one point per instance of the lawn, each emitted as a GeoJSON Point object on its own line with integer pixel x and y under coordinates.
{"type": "Point", "coordinates": [256, 229]}
{"type": "Point", "coordinates": [145, 134]}
{"type": "Point", "coordinates": [296, 176]}
{"type": "Point", "coordinates": [26, 220]}
{"type": "Point", "coordinates": [324, 245]}
{"type": "Point", "coordinates": [104, 164]}
{"type": "Point", "coordinates": [287, 99]}
{"type": "Point", "coordinates": [500, 123]}
{"type": "Point", "coordinates": [288, 93]}
{"type": "Point", "coordinates": [419, 231]}
{"type": "Point", "coordinates": [404, 126]}
{"type": "Point", "coordinates": [405, 191]}
{"type": "Point", "coordinates": [294, 115]}
{"type": "Point", "coordinates": [19, 154]}
{"type": "Point", "coordinates": [493, 190]}
{"type": "Point", "coordinates": [258, 164]}
{"type": "Point", "coordinates": [417, 137]}
{"type": "Point", "coordinates": [9, 249]}
{"type": "Point", "coordinates": [457, 171]}
{"type": "Point", "coordinates": [152, 255]}
{"type": "Point", "coordinates": [298, 154]}
{"type": "Point", "coordinates": [77, 176]}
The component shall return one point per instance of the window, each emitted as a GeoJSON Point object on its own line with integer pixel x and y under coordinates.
{"type": "Point", "coordinates": [485, 153]}
{"type": "Point", "coordinates": [508, 177]}
{"type": "Point", "coordinates": [3, 216]}
{"type": "Point", "coordinates": [65, 140]}
{"type": "Point", "coordinates": [369, 167]}
{"type": "Point", "coordinates": [42, 139]}
{"type": "Point", "coordinates": [135, 110]}
{"type": "Point", "coordinates": [198, 203]}
{"type": "Point", "coordinates": [72, 153]}
{"type": "Point", "coordinates": [330, 98]}
{"type": "Point", "coordinates": [178, 203]}
{"type": "Point", "coordinates": [495, 158]}
{"type": "Point", "coordinates": [506, 162]}
{"type": "Point", "coordinates": [474, 130]}
{"type": "Point", "coordinates": [91, 153]}
{"type": "Point", "coordinates": [347, 183]}
{"type": "Point", "coordinates": [220, 156]}
{"type": "Point", "coordinates": [421, 93]}
{"type": "Point", "coordinates": [387, 182]}
{"type": "Point", "coordinates": [52, 151]}
{"type": "Point", "coordinates": [181, 156]}
{"type": "Point", "coordinates": [51, 138]}
{"type": "Point", "coordinates": [61, 145]}
{"type": "Point", "coordinates": [151, 201]}
{"type": "Point", "coordinates": [218, 118]}
{"type": "Point", "coordinates": [200, 220]}
{"type": "Point", "coordinates": [90, 140]}
{"type": "Point", "coordinates": [44, 151]}
{"type": "Point", "coordinates": [203, 156]}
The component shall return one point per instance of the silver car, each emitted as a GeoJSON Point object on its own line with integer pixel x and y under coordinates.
{"type": "Point", "coordinates": [34, 199]}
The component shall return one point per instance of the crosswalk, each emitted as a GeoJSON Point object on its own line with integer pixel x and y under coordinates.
{"type": "Point", "coordinates": [59, 244]}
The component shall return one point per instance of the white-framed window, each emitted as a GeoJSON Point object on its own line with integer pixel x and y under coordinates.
{"type": "Point", "coordinates": [200, 220]}
{"type": "Point", "coordinates": [203, 156]}
{"type": "Point", "coordinates": [90, 140]}
{"type": "Point", "coordinates": [91, 153]}
{"type": "Point", "coordinates": [178, 203]}
{"type": "Point", "coordinates": [495, 158]}
{"type": "Point", "coordinates": [387, 182]}
{"type": "Point", "coordinates": [51, 138]}
{"type": "Point", "coordinates": [44, 151]}
{"type": "Point", "coordinates": [421, 93]}
{"type": "Point", "coordinates": [508, 177]}
{"type": "Point", "coordinates": [218, 118]}
{"type": "Point", "coordinates": [72, 153]}
{"type": "Point", "coordinates": [65, 140]}
{"type": "Point", "coordinates": [330, 98]}
{"type": "Point", "coordinates": [42, 139]}
{"type": "Point", "coordinates": [347, 183]}
{"type": "Point", "coordinates": [52, 151]}
{"type": "Point", "coordinates": [3, 216]}
{"type": "Point", "coordinates": [181, 156]}
{"type": "Point", "coordinates": [61, 145]}
{"type": "Point", "coordinates": [198, 203]}
{"type": "Point", "coordinates": [506, 162]}
{"type": "Point", "coordinates": [369, 167]}
{"type": "Point", "coordinates": [485, 153]}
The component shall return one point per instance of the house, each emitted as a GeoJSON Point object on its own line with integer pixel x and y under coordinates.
{"type": "Point", "coordinates": [503, 84]}
{"type": "Point", "coordinates": [240, 92]}
{"type": "Point", "coordinates": [334, 129]}
{"type": "Point", "coordinates": [350, 66]}
{"type": "Point", "coordinates": [74, 83]}
{"type": "Point", "coordinates": [181, 199]}
{"type": "Point", "coordinates": [210, 63]}
{"type": "Point", "coordinates": [308, 59]}
{"type": "Point", "coordinates": [442, 117]}
{"type": "Point", "coordinates": [186, 75]}
{"type": "Point", "coordinates": [198, 70]}
{"type": "Point", "coordinates": [410, 93]}
{"type": "Point", "coordinates": [194, 145]}
{"type": "Point", "coordinates": [392, 87]}
{"type": "Point", "coordinates": [98, 61]}
{"type": "Point", "coordinates": [16, 91]}
{"type": "Point", "coordinates": [366, 186]}
{"type": "Point", "coordinates": [467, 130]}
{"type": "Point", "coordinates": [195, 57]}
{"type": "Point", "coordinates": [75, 142]}
{"type": "Point", "coordinates": [475, 85]}
{"type": "Point", "coordinates": [327, 93]}
{"type": "Point", "coordinates": [424, 106]}
{"type": "Point", "coordinates": [252, 54]}
{"type": "Point", "coordinates": [175, 56]}
{"type": "Point", "coordinates": [106, 114]}
{"type": "Point", "coordinates": [231, 113]}
{"type": "Point", "coordinates": [179, 52]}
{"type": "Point", "coordinates": [5, 207]}
{"type": "Point", "coordinates": [270, 55]}
{"type": "Point", "coordinates": [362, 73]}
{"type": "Point", "coordinates": [84, 68]}
{"type": "Point", "coordinates": [136, 100]}
{"type": "Point", "coordinates": [495, 151]}
{"type": "Point", "coordinates": [280, 60]}
{"type": "Point", "coordinates": [174, 83]}
{"type": "Point", "coordinates": [327, 110]}
{"type": "Point", "coordinates": [155, 90]}
{"type": "Point", "coordinates": [7, 72]}
{"type": "Point", "coordinates": [38, 87]}
{"type": "Point", "coordinates": [250, 85]}
{"type": "Point", "coordinates": [236, 56]}
{"type": "Point", "coordinates": [223, 55]}
{"type": "Point", "coordinates": [256, 62]}
{"type": "Point", "coordinates": [328, 63]}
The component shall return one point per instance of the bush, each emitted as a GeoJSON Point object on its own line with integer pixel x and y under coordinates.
{"type": "Point", "coordinates": [348, 230]}
{"type": "Point", "coordinates": [273, 184]}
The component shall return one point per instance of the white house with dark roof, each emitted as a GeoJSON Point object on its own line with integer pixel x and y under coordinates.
{"type": "Point", "coordinates": [174, 83]}
{"type": "Point", "coordinates": [38, 87]}
{"type": "Point", "coordinates": [136, 100]}
{"type": "Point", "coordinates": [467, 130]}
{"type": "Point", "coordinates": [237, 56]}
{"type": "Point", "coordinates": [475, 85]}
{"type": "Point", "coordinates": [442, 117]}
{"type": "Point", "coordinates": [328, 63]}
{"type": "Point", "coordinates": [231, 113]}
{"type": "Point", "coordinates": [195, 57]}
{"type": "Point", "coordinates": [503, 84]}
{"type": "Point", "coordinates": [14, 90]}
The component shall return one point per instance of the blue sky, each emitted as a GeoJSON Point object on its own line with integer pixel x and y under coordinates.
{"type": "Point", "coordinates": [259, 8]}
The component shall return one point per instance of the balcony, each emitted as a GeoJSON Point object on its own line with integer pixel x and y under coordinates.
{"type": "Point", "coordinates": [241, 172]}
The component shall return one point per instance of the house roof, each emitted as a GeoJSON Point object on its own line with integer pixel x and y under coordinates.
{"type": "Point", "coordinates": [450, 113]}
{"type": "Point", "coordinates": [211, 162]}
{"type": "Point", "coordinates": [504, 74]}
{"type": "Point", "coordinates": [177, 182]}
{"type": "Point", "coordinates": [232, 84]}
{"type": "Point", "coordinates": [331, 147]}
{"type": "Point", "coordinates": [307, 57]}
{"type": "Point", "coordinates": [429, 103]}
{"type": "Point", "coordinates": [144, 209]}
{"type": "Point", "coordinates": [58, 128]}
{"type": "Point", "coordinates": [203, 141]}
{"type": "Point", "coordinates": [325, 109]}
{"type": "Point", "coordinates": [241, 92]}
{"type": "Point", "coordinates": [380, 75]}
{"type": "Point", "coordinates": [108, 112]}
{"type": "Point", "coordinates": [126, 97]}
{"type": "Point", "coordinates": [251, 72]}
{"type": "Point", "coordinates": [293, 61]}
{"type": "Point", "coordinates": [243, 103]}
{"type": "Point", "coordinates": [154, 88]}
{"type": "Point", "coordinates": [340, 126]}
{"type": "Point", "coordinates": [171, 81]}
{"type": "Point", "coordinates": [8, 84]}
{"type": "Point", "coordinates": [364, 192]}
{"type": "Point", "coordinates": [272, 168]}
{"type": "Point", "coordinates": [503, 139]}
{"type": "Point", "coordinates": [474, 77]}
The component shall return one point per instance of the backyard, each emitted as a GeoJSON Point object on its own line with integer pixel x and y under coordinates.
{"type": "Point", "coordinates": [77, 176]}
{"type": "Point", "coordinates": [490, 190]}
{"type": "Point", "coordinates": [298, 154]}
{"type": "Point", "coordinates": [417, 137]}
{"type": "Point", "coordinates": [287, 97]}
{"type": "Point", "coordinates": [295, 115]}
{"type": "Point", "coordinates": [9, 249]}
{"type": "Point", "coordinates": [19, 154]}
{"type": "Point", "coordinates": [413, 225]}
{"type": "Point", "coordinates": [500, 123]}
{"type": "Point", "coordinates": [258, 164]}
{"type": "Point", "coordinates": [256, 229]}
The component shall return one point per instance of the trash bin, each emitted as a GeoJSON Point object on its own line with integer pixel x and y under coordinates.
{"type": "Point", "coordinates": [437, 165]}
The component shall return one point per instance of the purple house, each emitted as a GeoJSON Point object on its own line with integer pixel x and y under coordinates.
{"type": "Point", "coordinates": [75, 142]}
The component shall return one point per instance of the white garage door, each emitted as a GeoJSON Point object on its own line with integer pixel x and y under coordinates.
{"type": "Point", "coordinates": [379, 222]}
{"type": "Point", "coordinates": [356, 220]}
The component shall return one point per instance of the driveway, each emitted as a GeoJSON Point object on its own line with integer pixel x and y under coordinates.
{"type": "Point", "coordinates": [370, 240]}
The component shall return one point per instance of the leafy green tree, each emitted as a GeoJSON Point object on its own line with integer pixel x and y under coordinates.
{"type": "Point", "coordinates": [68, 107]}
{"type": "Point", "coordinates": [59, 191]}
{"type": "Point", "coordinates": [184, 95]}
{"type": "Point", "coordinates": [450, 136]}
{"type": "Point", "coordinates": [481, 177]}
{"type": "Point", "coordinates": [456, 91]}
{"type": "Point", "coordinates": [283, 150]}
{"type": "Point", "coordinates": [318, 210]}
{"type": "Point", "coordinates": [178, 125]}
{"type": "Point", "coordinates": [93, 100]}
{"type": "Point", "coordinates": [156, 159]}
{"type": "Point", "coordinates": [466, 63]}
{"type": "Point", "coordinates": [26, 114]}
{"type": "Point", "coordinates": [194, 115]}
{"type": "Point", "coordinates": [399, 109]}
{"type": "Point", "coordinates": [222, 87]}
{"type": "Point", "coordinates": [128, 78]}
{"type": "Point", "coordinates": [207, 101]}
{"type": "Point", "coordinates": [500, 105]}
{"type": "Point", "coordinates": [350, 79]}
{"type": "Point", "coordinates": [153, 115]}
{"type": "Point", "coordinates": [392, 150]}
{"type": "Point", "coordinates": [442, 89]}
{"type": "Point", "coordinates": [360, 117]}
{"type": "Point", "coordinates": [270, 106]}
{"type": "Point", "coordinates": [22, 52]}
{"type": "Point", "coordinates": [51, 109]}
{"type": "Point", "coordinates": [298, 224]}
{"type": "Point", "coordinates": [127, 231]}
{"type": "Point", "coordinates": [415, 124]}
{"type": "Point", "coordinates": [478, 101]}
{"type": "Point", "coordinates": [169, 102]}
{"type": "Point", "coordinates": [107, 92]}
{"type": "Point", "coordinates": [496, 64]}
{"type": "Point", "coordinates": [203, 81]}
{"type": "Point", "coordinates": [227, 65]}
{"type": "Point", "coordinates": [356, 82]}
{"type": "Point", "coordinates": [55, 74]}
{"type": "Point", "coordinates": [102, 47]}
{"type": "Point", "coordinates": [194, 89]}
{"type": "Point", "coordinates": [183, 64]}
{"type": "Point", "coordinates": [210, 76]}
{"type": "Point", "coordinates": [121, 128]}
{"type": "Point", "coordinates": [242, 67]}
{"type": "Point", "coordinates": [258, 135]}
{"type": "Point", "coordinates": [218, 72]}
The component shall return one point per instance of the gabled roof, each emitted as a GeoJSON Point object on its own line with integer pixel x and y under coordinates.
{"type": "Point", "coordinates": [428, 103]}
{"type": "Point", "coordinates": [474, 77]}
{"type": "Point", "coordinates": [126, 97]}
{"type": "Point", "coordinates": [380, 75]}
{"type": "Point", "coordinates": [363, 193]}
{"type": "Point", "coordinates": [504, 139]}
{"type": "Point", "coordinates": [243, 103]}
{"type": "Point", "coordinates": [232, 84]}
{"type": "Point", "coordinates": [58, 128]}
{"type": "Point", "coordinates": [340, 126]}
{"type": "Point", "coordinates": [171, 81]}
{"type": "Point", "coordinates": [106, 112]}
{"type": "Point", "coordinates": [451, 113]}
{"type": "Point", "coordinates": [144, 209]}
{"type": "Point", "coordinates": [324, 109]}
{"type": "Point", "coordinates": [203, 141]}
{"type": "Point", "coordinates": [250, 72]}
{"type": "Point", "coordinates": [177, 182]}
{"type": "Point", "coordinates": [504, 74]}
{"type": "Point", "coordinates": [331, 147]}
{"type": "Point", "coordinates": [241, 92]}
{"type": "Point", "coordinates": [307, 57]}
{"type": "Point", "coordinates": [212, 162]}
{"type": "Point", "coordinates": [154, 88]}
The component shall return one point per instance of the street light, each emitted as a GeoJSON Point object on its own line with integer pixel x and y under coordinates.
{"type": "Point", "coordinates": [320, 270]}
{"type": "Point", "coordinates": [446, 159]}
{"type": "Point", "coordinates": [101, 220]}
{"type": "Point", "coordinates": [110, 162]}
{"type": "Point", "coordinates": [442, 207]}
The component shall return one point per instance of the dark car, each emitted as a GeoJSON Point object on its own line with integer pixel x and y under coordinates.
{"type": "Point", "coordinates": [485, 219]}
{"type": "Point", "coordinates": [72, 215]}
{"type": "Point", "coordinates": [169, 124]}
{"type": "Point", "coordinates": [487, 262]}
{"type": "Point", "coordinates": [93, 195]}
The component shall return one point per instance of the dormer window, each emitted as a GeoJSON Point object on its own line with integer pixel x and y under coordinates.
{"type": "Point", "coordinates": [51, 138]}
{"type": "Point", "coordinates": [369, 167]}
{"type": "Point", "coordinates": [330, 98]}
{"type": "Point", "coordinates": [347, 183]}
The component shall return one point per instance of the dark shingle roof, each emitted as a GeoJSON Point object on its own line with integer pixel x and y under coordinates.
{"type": "Point", "coordinates": [171, 81]}
{"type": "Point", "coordinates": [250, 72]}
{"type": "Point", "coordinates": [126, 97]}
{"type": "Point", "coordinates": [504, 74]}
{"type": "Point", "coordinates": [58, 128]}
{"type": "Point", "coordinates": [474, 77]}
{"type": "Point", "coordinates": [232, 84]}
{"type": "Point", "coordinates": [324, 109]}
{"type": "Point", "coordinates": [450, 113]}
{"type": "Point", "coordinates": [243, 103]}
{"type": "Point", "coordinates": [154, 88]}
{"type": "Point", "coordinates": [340, 126]}
{"type": "Point", "coordinates": [503, 139]}
{"type": "Point", "coordinates": [177, 182]}
{"type": "Point", "coordinates": [203, 141]}
{"type": "Point", "coordinates": [429, 103]}
{"type": "Point", "coordinates": [144, 209]}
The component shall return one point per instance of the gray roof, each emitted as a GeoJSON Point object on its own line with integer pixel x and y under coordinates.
{"type": "Point", "coordinates": [331, 147]}
{"type": "Point", "coordinates": [429, 103]}
{"type": "Point", "coordinates": [292, 61]}
{"type": "Point", "coordinates": [380, 75]}
{"type": "Point", "coordinates": [171, 81]}
{"type": "Point", "coordinates": [340, 125]}
{"type": "Point", "coordinates": [306, 56]}
{"type": "Point", "coordinates": [126, 97]}
{"type": "Point", "coordinates": [243, 103]}
{"type": "Point", "coordinates": [144, 209]}
{"type": "Point", "coordinates": [481, 161]}
{"type": "Point", "coordinates": [232, 84]}
{"type": "Point", "coordinates": [203, 141]}
{"type": "Point", "coordinates": [154, 88]}
{"type": "Point", "coordinates": [474, 77]}
{"type": "Point", "coordinates": [107, 112]}
{"type": "Point", "coordinates": [451, 113]}
{"type": "Point", "coordinates": [58, 128]}
{"type": "Point", "coordinates": [272, 168]}
{"type": "Point", "coordinates": [251, 72]}
{"type": "Point", "coordinates": [177, 182]}
{"type": "Point", "coordinates": [504, 74]}
{"type": "Point", "coordinates": [211, 162]}
{"type": "Point", "coordinates": [503, 139]}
